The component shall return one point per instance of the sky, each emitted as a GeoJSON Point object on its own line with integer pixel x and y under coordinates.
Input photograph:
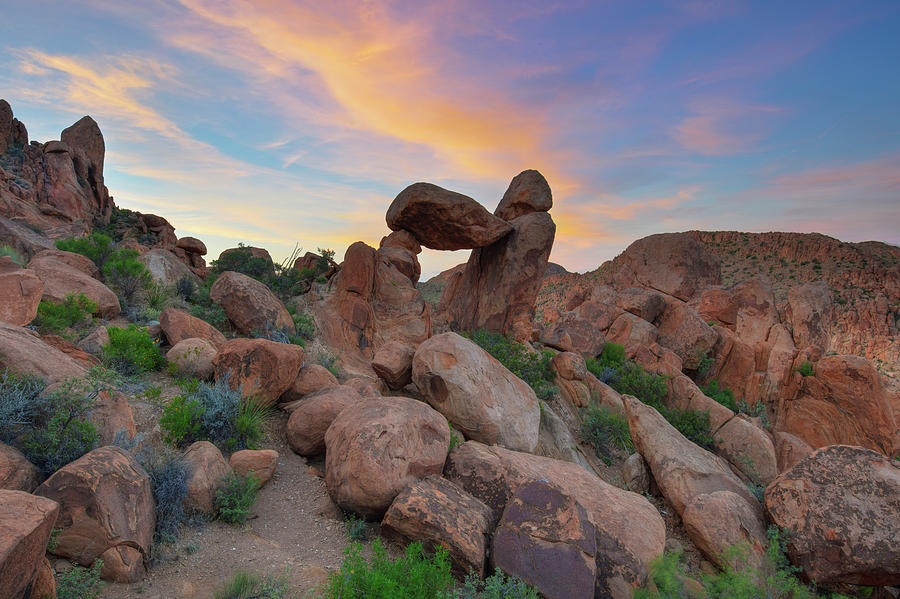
{"type": "Point", "coordinates": [276, 122]}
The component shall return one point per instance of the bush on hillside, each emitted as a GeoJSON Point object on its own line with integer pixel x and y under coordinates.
{"type": "Point", "coordinates": [723, 395]}
{"type": "Point", "coordinates": [612, 356]}
{"type": "Point", "coordinates": [95, 246]}
{"type": "Point", "coordinates": [181, 422]}
{"type": "Point", "coordinates": [168, 481]}
{"type": "Point", "coordinates": [21, 403]}
{"type": "Point", "coordinates": [132, 351]}
{"type": "Point", "coordinates": [532, 367]}
{"type": "Point", "coordinates": [80, 583]}
{"type": "Point", "coordinates": [56, 318]}
{"type": "Point", "coordinates": [126, 275]}
{"type": "Point", "coordinates": [6, 250]}
{"type": "Point", "coordinates": [235, 497]}
{"type": "Point", "coordinates": [605, 431]}
{"type": "Point", "coordinates": [495, 586]}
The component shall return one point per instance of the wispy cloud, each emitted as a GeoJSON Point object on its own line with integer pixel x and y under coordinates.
{"type": "Point", "coordinates": [719, 127]}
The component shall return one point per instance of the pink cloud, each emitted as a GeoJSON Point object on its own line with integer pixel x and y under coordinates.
{"type": "Point", "coordinates": [720, 127]}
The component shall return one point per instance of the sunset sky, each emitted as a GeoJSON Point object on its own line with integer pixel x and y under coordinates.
{"type": "Point", "coordinates": [280, 122]}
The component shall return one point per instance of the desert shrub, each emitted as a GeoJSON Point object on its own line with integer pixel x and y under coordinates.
{"type": "Point", "coordinates": [235, 497]}
{"type": "Point", "coordinates": [243, 261]}
{"type": "Point", "coordinates": [304, 323]}
{"type": "Point", "coordinates": [157, 297]}
{"type": "Point", "coordinates": [21, 403]}
{"type": "Point", "coordinates": [247, 585]}
{"type": "Point", "coordinates": [185, 289]}
{"type": "Point", "coordinates": [126, 275]}
{"type": "Point", "coordinates": [612, 356]}
{"type": "Point", "coordinates": [181, 421]}
{"type": "Point", "coordinates": [248, 425]}
{"type": "Point", "coordinates": [132, 351]}
{"type": "Point", "coordinates": [328, 361]}
{"type": "Point", "coordinates": [168, 480]}
{"type": "Point", "coordinates": [807, 368]}
{"type": "Point", "coordinates": [80, 583]}
{"type": "Point", "coordinates": [204, 308]}
{"type": "Point", "coordinates": [692, 424]}
{"type": "Point", "coordinates": [95, 246]}
{"type": "Point", "coordinates": [74, 310]}
{"type": "Point", "coordinates": [495, 586]}
{"type": "Point", "coordinates": [604, 430]}
{"type": "Point", "coordinates": [356, 528]}
{"type": "Point", "coordinates": [6, 250]}
{"type": "Point", "coordinates": [723, 395]}
{"type": "Point", "coordinates": [411, 576]}
{"type": "Point", "coordinates": [60, 432]}
{"type": "Point", "coordinates": [220, 404]}
{"type": "Point", "coordinates": [532, 367]}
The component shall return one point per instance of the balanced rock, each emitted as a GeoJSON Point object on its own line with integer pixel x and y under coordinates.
{"type": "Point", "coordinates": [527, 192]}
{"type": "Point", "coordinates": [841, 509]}
{"type": "Point", "coordinates": [476, 393]}
{"type": "Point", "coordinates": [444, 220]}
{"type": "Point", "coordinates": [259, 367]}
{"type": "Point", "coordinates": [378, 447]}
{"type": "Point", "coordinates": [250, 305]}
{"type": "Point", "coordinates": [192, 245]}
{"type": "Point", "coordinates": [26, 522]}
{"type": "Point", "coordinates": [310, 420]}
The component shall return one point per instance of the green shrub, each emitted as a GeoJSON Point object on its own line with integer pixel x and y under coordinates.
{"type": "Point", "coordinates": [305, 325]}
{"type": "Point", "coordinates": [21, 403]}
{"type": "Point", "coordinates": [612, 356]}
{"type": "Point", "coordinates": [95, 246]}
{"type": "Point", "coordinates": [532, 367]}
{"type": "Point", "coordinates": [243, 261]}
{"type": "Point", "coordinates": [6, 250]}
{"type": "Point", "coordinates": [248, 425]}
{"type": "Point", "coordinates": [60, 433]}
{"type": "Point", "coordinates": [185, 288]}
{"type": "Point", "coordinates": [411, 576]}
{"type": "Point", "coordinates": [356, 528]}
{"type": "Point", "coordinates": [80, 583]}
{"type": "Point", "coordinates": [807, 368]}
{"type": "Point", "coordinates": [604, 430]}
{"type": "Point", "coordinates": [132, 351]}
{"type": "Point", "coordinates": [495, 586]}
{"type": "Point", "coordinates": [692, 424]}
{"type": "Point", "coordinates": [235, 497]}
{"type": "Point", "coordinates": [74, 310]}
{"type": "Point", "coordinates": [328, 361]}
{"type": "Point", "coordinates": [247, 585]}
{"type": "Point", "coordinates": [181, 421]}
{"type": "Point", "coordinates": [204, 308]}
{"type": "Point", "coordinates": [126, 275]}
{"type": "Point", "coordinates": [723, 395]}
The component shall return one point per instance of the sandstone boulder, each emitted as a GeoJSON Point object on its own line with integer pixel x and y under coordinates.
{"type": "Point", "coordinates": [249, 251]}
{"type": "Point", "coordinates": [580, 330]}
{"type": "Point", "coordinates": [527, 192]}
{"type": "Point", "coordinates": [310, 420]}
{"type": "Point", "coordinates": [393, 363]}
{"type": "Point", "coordinates": [192, 245]}
{"type": "Point", "coordinates": [635, 474]}
{"type": "Point", "coordinates": [16, 472]}
{"type": "Point", "coordinates": [207, 468]}
{"type": "Point", "coordinates": [250, 305]}
{"type": "Point", "coordinates": [749, 448]}
{"type": "Point", "coordinates": [95, 341]}
{"type": "Point", "coordinates": [790, 449]}
{"type": "Point", "coordinates": [312, 378]}
{"type": "Point", "coordinates": [178, 326]}
{"type": "Point", "coordinates": [682, 330]}
{"type": "Point", "coordinates": [809, 311]}
{"type": "Point", "coordinates": [259, 367]}
{"type": "Point", "coordinates": [631, 331]}
{"type": "Point", "coordinates": [111, 414]}
{"type": "Point", "coordinates": [367, 388]}
{"type": "Point", "coordinates": [60, 279]}
{"type": "Point", "coordinates": [107, 512]}
{"type": "Point", "coordinates": [26, 522]}
{"type": "Point", "coordinates": [166, 268]}
{"type": "Point", "coordinates": [261, 463]}
{"type": "Point", "coordinates": [444, 220]}
{"type": "Point", "coordinates": [71, 350]}
{"type": "Point", "coordinates": [719, 521]}
{"type": "Point", "coordinates": [378, 447]}
{"type": "Point", "coordinates": [841, 509]}
{"type": "Point", "coordinates": [546, 538]}
{"type": "Point", "coordinates": [20, 293]}
{"type": "Point", "coordinates": [646, 304]}
{"type": "Point", "coordinates": [23, 351]}
{"type": "Point", "coordinates": [43, 585]}
{"type": "Point", "coordinates": [438, 512]}
{"type": "Point", "coordinates": [193, 357]}
{"type": "Point", "coordinates": [476, 393]}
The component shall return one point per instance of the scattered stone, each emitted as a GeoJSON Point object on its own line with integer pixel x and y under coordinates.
{"type": "Point", "coordinates": [207, 467]}
{"type": "Point", "coordinates": [260, 463]}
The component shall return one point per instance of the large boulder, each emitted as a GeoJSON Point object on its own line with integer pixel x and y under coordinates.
{"type": "Point", "coordinates": [840, 507]}
{"type": "Point", "coordinates": [630, 532]}
{"type": "Point", "coordinates": [250, 305]}
{"type": "Point", "coordinates": [499, 286]}
{"type": "Point", "coordinates": [718, 522]}
{"type": "Point", "coordinates": [261, 256]}
{"type": "Point", "coordinates": [191, 245]}
{"type": "Point", "coordinates": [790, 449]}
{"type": "Point", "coordinates": [312, 378]}
{"type": "Point", "coordinates": [378, 447]}
{"type": "Point", "coordinates": [193, 357]}
{"type": "Point", "coordinates": [22, 350]}
{"type": "Point", "coordinates": [444, 220]}
{"type": "Point", "coordinates": [581, 329]}
{"type": "Point", "coordinates": [107, 512]}
{"type": "Point", "coordinates": [749, 448]}
{"type": "Point", "coordinates": [527, 192]}
{"type": "Point", "coordinates": [166, 268]}
{"type": "Point", "coordinates": [16, 472]}
{"type": "Point", "coordinates": [178, 326]}
{"type": "Point", "coordinates": [809, 312]}
{"type": "Point", "coordinates": [310, 420]}
{"type": "Point", "coordinates": [683, 330]}
{"type": "Point", "coordinates": [260, 463]}
{"type": "Point", "coordinates": [61, 279]}
{"type": "Point", "coordinates": [259, 367]}
{"type": "Point", "coordinates": [476, 393]}
{"type": "Point", "coordinates": [438, 512]}
{"type": "Point", "coordinates": [207, 468]}
{"type": "Point", "coordinates": [20, 294]}
{"type": "Point", "coordinates": [546, 538]}
{"type": "Point", "coordinates": [643, 303]}
{"type": "Point", "coordinates": [673, 263]}
{"type": "Point", "coordinates": [393, 363]}
{"type": "Point", "coordinates": [26, 522]}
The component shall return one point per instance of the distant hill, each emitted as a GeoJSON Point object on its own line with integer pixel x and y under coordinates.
{"type": "Point", "coordinates": [434, 287]}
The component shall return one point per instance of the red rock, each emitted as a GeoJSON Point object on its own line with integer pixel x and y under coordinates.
{"type": "Point", "coordinates": [106, 512]}
{"type": "Point", "coordinates": [20, 293]}
{"type": "Point", "coordinates": [527, 192]}
{"type": "Point", "coordinates": [444, 220]}
{"type": "Point", "coordinates": [499, 286]}
{"type": "Point", "coordinates": [393, 363]}
{"type": "Point", "coordinates": [312, 378]}
{"type": "Point", "coordinates": [719, 521]}
{"type": "Point", "coordinates": [60, 280]}
{"type": "Point", "coordinates": [260, 463]}
{"type": "Point", "coordinates": [259, 367]}
{"type": "Point", "coordinates": [401, 239]}
{"type": "Point", "coordinates": [43, 586]}
{"type": "Point", "coordinates": [438, 512]}
{"type": "Point", "coordinates": [451, 372]}
{"type": "Point", "coordinates": [630, 331]}
{"type": "Point", "coordinates": [85, 135]}
{"type": "Point", "coordinates": [367, 388]}
{"type": "Point", "coordinates": [71, 350]}
{"type": "Point", "coordinates": [76, 261]}
{"type": "Point", "coordinates": [581, 329]}
{"type": "Point", "coordinates": [636, 474]}
{"type": "Point", "coordinates": [643, 303]}
{"type": "Point", "coordinates": [377, 447]}
{"type": "Point", "coordinates": [110, 414]}
{"type": "Point", "coordinates": [749, 448]}
{"type": "Point", "coordinates": [630, 531]}
{"type": "Point", "coordinates": [207, 467]}
{"type": "Point", "coordinates": [23, 351]}
{"type": "Point", "coordinates": [194, 358]}
{"type": "Point", "coordinates": [166, 268]}
{"type": "Point", "coordinates": [16, 472]}
{"type": "Point", "coordinates": [192, 245]}
{"type": "Point", "coordinates": [249, 304]}
{"type": "Point", "coordinates": [809, 311]}
{"type": "Point", "coordinates": [684, 332]}
{"type": "Point", "coordinates": [178, 326]}
{"type": "Point", "coordinates": [95, 341]}
{"type": "Point", "coordinates": [308, 422]}
{"type": "Point", "coordinates": [26, 522]}
{"type": "Point", "coordinates": [841, 509]}
{"type": "Point", "coordinates": [790, 449]}
{"type": "Point", "coordinates": [546, 538]}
